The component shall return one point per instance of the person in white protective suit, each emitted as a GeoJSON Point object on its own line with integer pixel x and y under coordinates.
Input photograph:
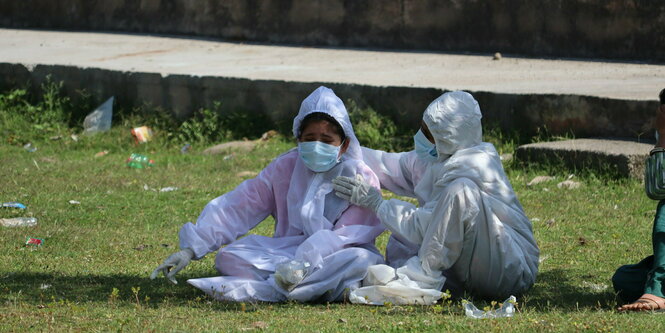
{"type": "Point", "coordinates": [321, 245]}
{"type": "Point", "coordinates": [469, 231]}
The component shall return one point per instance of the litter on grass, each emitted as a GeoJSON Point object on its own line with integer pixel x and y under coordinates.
{"type": "Point", "coordinates": [569, 184]}
{"type": "Point", "coordinates": [506, 310]}
{"type": "Point", "coordinates": [13, 204]}
{"type": "Point", "coordinates": [32, 241]}
{"type": "Point", "coordinates": [185, 149]}
{"type": "Point", "coordinates": [138, 161]}
{"type": "Point", "coordinates": [74, 202]}
{"type": "Point", "coordinates": [100, 119]}
{"type": "Point", "coordinates": [168, 189]}
{"type": "Point", "coordinates": [539, 179]}
{"type": "Point", "coordinates": [142, 134]}
{"type": "Point", "coordinates": [29, 148]}
{"type": "Point", "coordinates": [102, 153]}
{"type": "Point", "coordinates": [19, 222]}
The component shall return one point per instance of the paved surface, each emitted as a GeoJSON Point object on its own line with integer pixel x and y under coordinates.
{"type": "Point", "coordinates": [626, 158]}
{"type": "Point", "coordinates": [301, 64]}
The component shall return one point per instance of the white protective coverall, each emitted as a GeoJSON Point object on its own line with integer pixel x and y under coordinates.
{"type": "Point", "coordinates": [311, 225]}
{"type": "Point", "coordinates": [469, 224]}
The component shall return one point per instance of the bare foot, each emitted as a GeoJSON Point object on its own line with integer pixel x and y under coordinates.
{"type": "Point", "coordinates": [646, 302]}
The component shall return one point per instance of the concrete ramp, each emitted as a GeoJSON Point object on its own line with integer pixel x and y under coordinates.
{"type": "Point", "coordinates": [587, 98]}
{"type": "Point", "coordinates": [623, 157]}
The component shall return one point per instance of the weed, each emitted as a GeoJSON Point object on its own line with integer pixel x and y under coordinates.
{"type": "Point", "coordinates": [373, 129]}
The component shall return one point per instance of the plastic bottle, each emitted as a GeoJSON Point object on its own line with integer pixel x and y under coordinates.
{"type": "Point", "coordinates": [138, 161]}
{"type": "Point", "coordinates": [506, 310]}
{"type": "Point", "coordinates": [19, 222]}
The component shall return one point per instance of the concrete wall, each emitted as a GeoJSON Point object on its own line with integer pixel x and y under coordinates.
{"type": "Point", "coordinates": [617, 29]}
{"type": "Point", "coordinates": [559, 114]}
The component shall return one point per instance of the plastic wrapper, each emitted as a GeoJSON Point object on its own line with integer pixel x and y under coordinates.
{"type": "Point", "coordinates": [289, 274]}
{"type": "Point", "coordinates": [32, 241]}
{"type": "Point", "coordinates": [142, 134]}
{"type": "Point", "coordinates": [506, 310]}
{"type": "Point", "coordinates": [383, 284]}
{"type": "Point", "coordinates": [138, 161]}
{"type": "Point", "coordinates": [19, 222]}
{"type": "Point", "coordinates": [100, 119]}
{"type": "Point", "coordinates": [13, 204]}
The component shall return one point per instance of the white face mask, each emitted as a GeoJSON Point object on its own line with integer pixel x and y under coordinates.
{"type": "Point", "coordinates": [424, 148]}
{"type": "Point", "coordinates": [318, 156]}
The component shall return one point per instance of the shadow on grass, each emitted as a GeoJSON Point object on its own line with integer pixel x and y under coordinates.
{"type": "Point", "coordinates": [40, 288]}
{"type": "Point", "coordinates": [555, 289]}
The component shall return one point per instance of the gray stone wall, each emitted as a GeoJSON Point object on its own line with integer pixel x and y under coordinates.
{"type": "Point", "coordinates": [613, 29]}
{"type": "Point", "coordinates": [580, 116]}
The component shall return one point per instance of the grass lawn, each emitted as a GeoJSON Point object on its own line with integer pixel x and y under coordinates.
{"type": "Point", "coordinates": [91, 274]}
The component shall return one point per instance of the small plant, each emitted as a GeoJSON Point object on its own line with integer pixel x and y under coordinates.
{"type": "Point", "coordinates": [372, 129]}
{"type": "Point", "coordinates": [135, 291]}
{"type": "Point", "coordinates": [114, 295]}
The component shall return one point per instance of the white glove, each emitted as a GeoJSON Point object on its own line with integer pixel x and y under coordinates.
{"type": "Point", "coordinates": [178, 261]}
{"type": "Point", "coordinates": [358, 192]}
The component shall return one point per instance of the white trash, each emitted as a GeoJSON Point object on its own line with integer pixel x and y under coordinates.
{"type": "Point", "coordinates": [289, 274]}
{"type": "Point", "coordinates": [384, 284]}
{"type": "Point", "coordinates": [100, 119]}
{"type": "Point", "coordinates": [506, 310]}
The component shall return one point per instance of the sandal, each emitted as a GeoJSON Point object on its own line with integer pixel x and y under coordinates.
{"type": "Point", "coordinates": [655, 303]}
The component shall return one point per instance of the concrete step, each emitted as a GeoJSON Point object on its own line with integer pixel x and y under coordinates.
{"type": "Point", "coordinates": [589, 98]}
{"type": "Point", "coordinates": [623, 157]}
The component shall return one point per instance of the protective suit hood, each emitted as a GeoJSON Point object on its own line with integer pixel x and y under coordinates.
{"type": "Point", "coordinates": [324, 100]}
{"type": "Point", "coordinates": [454, 121]}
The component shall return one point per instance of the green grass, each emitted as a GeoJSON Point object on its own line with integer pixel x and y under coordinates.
{"type": "Point", "coordinates": [92, 272]}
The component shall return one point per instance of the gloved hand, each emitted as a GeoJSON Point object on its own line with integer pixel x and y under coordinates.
{"type": "Point", "coordinates": [178, 261]}
{"type": "Point", "coordinates": [358, 192]}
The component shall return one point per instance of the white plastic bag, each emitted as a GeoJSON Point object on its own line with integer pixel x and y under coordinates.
{"type": "Point", "coordinates": [506, 310]}
{"type": "Point", "coordinates": [100, 119]}
{"type": "Point", "coordinates": [383, 284]}
{"type": "Point", "coordinates": [289, 274]}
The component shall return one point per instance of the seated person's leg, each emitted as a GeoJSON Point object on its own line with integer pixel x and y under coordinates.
{"type": "Point", "coordinates": [254, 256]}
{"type": "Point", "coordinates": [647, 277]}
{"type": "Point", "coordinates": [489, 262]}
{"type": "Point", "coordinates": [656, 282]}
{"type": "Point", "coordinates": [629, 280]}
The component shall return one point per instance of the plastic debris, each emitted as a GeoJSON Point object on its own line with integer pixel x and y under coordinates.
{"type": "Point", "coordinates": [74, 137]}
{"type": "Point", "coordinates": [385, 285]}
{"type": "Point", "coordinates": [228, 157]}
{"type": "Point", "coordinates": [289, 274]}
{"type": "Point", "coordinates": [44, 286]}
{"type": "Point", "coordinates": [569, 184]}
{"type": "Point", "coordinates": [142, 134]}
{"type": "Point", "coordinates": [54, 138]}
{"type": "Point", "coordinates": [100, 119]}
{"type": "Point", "coordinates": [185, 149]}
{"type": "Point", "coordinates": [32, 241]}
{"type": "Point", "coordinates": [102, 153]}
{"type": "Point", "coordinates": [29, 148]}
{"type": "Point", "coordinates": [497, 56]}
{"type": "Point", "coordinates": [506, 310]}
{"type": "Point", "coordinates": [138, 161]}
{"type": "Point", "coordinates": [74, 202]}
{"type": "Point", "coordinates": [168, 189]}
{"type": "Point", "coordinates": [19, 222]}
{"type": "Point", "coordinates": [13, 204]}
{"type": "Point", "coordinates": [539, 179]}
{"type": "Point", "coordinates": [597, 287]}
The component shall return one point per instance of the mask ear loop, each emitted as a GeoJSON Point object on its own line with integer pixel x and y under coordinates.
{"type": "Point", "coordinates": [339, 156]}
